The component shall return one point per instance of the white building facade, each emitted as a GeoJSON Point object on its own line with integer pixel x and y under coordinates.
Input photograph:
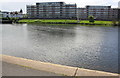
{"type": "Point", "coordinates": [12, 15]}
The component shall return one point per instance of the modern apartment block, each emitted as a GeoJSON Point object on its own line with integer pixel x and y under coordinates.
{"type": "Point", "coordinates": [31, 11]}
{"type": "Point", "coordinates": [114, 14]}
{"type": "Point", "coordinates": [52, 10]}
{"type": "Point", "coordinates": [61, 10]}
{"type": "Point", "coordinates": [82, 13]}
{"type": "Point", "coordinates": [99, 12]}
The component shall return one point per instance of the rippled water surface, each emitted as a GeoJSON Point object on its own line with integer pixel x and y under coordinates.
{"type": "Point", "coordinates": [91, 47]}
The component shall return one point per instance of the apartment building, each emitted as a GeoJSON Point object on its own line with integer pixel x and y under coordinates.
{"type": "Point", "coordinates": [99, 12]}
{"type": "Point", "coordinates": [61, 10]}
{"type": "Point", "coordinates": [52, 10]}
{"type": "Point", "coordinates": [114, 14]}
{"type": "Point", "coordinates": [82, 13]}
{"type": "Point", "coordinates": [31, 11]}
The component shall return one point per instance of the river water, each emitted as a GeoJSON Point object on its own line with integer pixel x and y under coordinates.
{"type": "Point", "coordinates": [91, 47]}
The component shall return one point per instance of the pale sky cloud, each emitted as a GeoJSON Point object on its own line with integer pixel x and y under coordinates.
{"type": "Point", "coordinates": [13, 5]}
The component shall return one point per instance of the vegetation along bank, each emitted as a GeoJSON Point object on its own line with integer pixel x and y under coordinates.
{"type": "Point", "coordinates": [63, 21]}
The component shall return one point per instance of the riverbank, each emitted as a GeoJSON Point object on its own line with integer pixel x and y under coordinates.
{"type": "Point", "coordinates": [6, 22]}
{"type": "Point", "coordinates": [62, 21]}
{"type": "Point", "coordinates": [55, 68]}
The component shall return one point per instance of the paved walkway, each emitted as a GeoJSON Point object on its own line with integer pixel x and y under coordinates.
{"type": "Point", "coordinates": [16, 70]}
{"type": "Point", "coordinates": [9, 69]}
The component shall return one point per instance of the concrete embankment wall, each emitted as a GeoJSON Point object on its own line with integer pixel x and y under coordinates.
{"type": "Point", "coordinates": [59, 69]}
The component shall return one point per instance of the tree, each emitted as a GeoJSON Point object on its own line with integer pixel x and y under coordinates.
{"type": "Point", "coordinates": [91, 19]}
{"type": "Point", "coordinates": [21, 11]}
{"type": "Point", "coordinates": [16, 12]}
{"type": "Point", "coordinates": [118, 23]}
{"type": "Point", "coordinates": [7, 17]}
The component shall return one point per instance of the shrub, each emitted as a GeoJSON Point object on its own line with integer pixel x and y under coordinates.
{"type": "Point", "coordinates": [114, 23]}
{"type": "Point", "coordinates": [91, 19]}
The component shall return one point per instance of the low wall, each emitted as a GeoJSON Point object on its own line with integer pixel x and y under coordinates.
{"type": "Point", "coordinates": [59, 69]}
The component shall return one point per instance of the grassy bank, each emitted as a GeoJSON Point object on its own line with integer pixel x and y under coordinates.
{"type": "Point", "coordinates": [62, 21]}
{"type": "Point", "coordinates": [47, 21]}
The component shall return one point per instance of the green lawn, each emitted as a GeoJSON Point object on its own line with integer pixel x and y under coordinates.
{"type": "Point", "coordinates": [96, 22]}
{"type": "Point", "coordinates": [63, 21]}
{"type": "Point", "coordinates": [48, 21]}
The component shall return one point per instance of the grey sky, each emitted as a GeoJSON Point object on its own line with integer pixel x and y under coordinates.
{"type": "Point", "coordinates": [16, 5]}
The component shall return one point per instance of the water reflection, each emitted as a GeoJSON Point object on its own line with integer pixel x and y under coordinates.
{"type": "Point", "coordinates": [81, 46]}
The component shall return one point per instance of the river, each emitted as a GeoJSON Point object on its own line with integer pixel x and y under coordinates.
{"type": "Point", "coordinates": [91, 47]}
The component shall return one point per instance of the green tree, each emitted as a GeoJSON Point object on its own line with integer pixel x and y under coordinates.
{"type": "Point", "coordinates": [21, 11]}
{"type": "Point", "coordinates": [91, 19]}
{"type": "Point", "coordinates": [8, 18]}
{"type": "Point", "coordinates": [118, 23]}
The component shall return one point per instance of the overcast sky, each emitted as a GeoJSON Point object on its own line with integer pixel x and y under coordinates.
{"type": "Point", "coordinates": [16, 5]}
